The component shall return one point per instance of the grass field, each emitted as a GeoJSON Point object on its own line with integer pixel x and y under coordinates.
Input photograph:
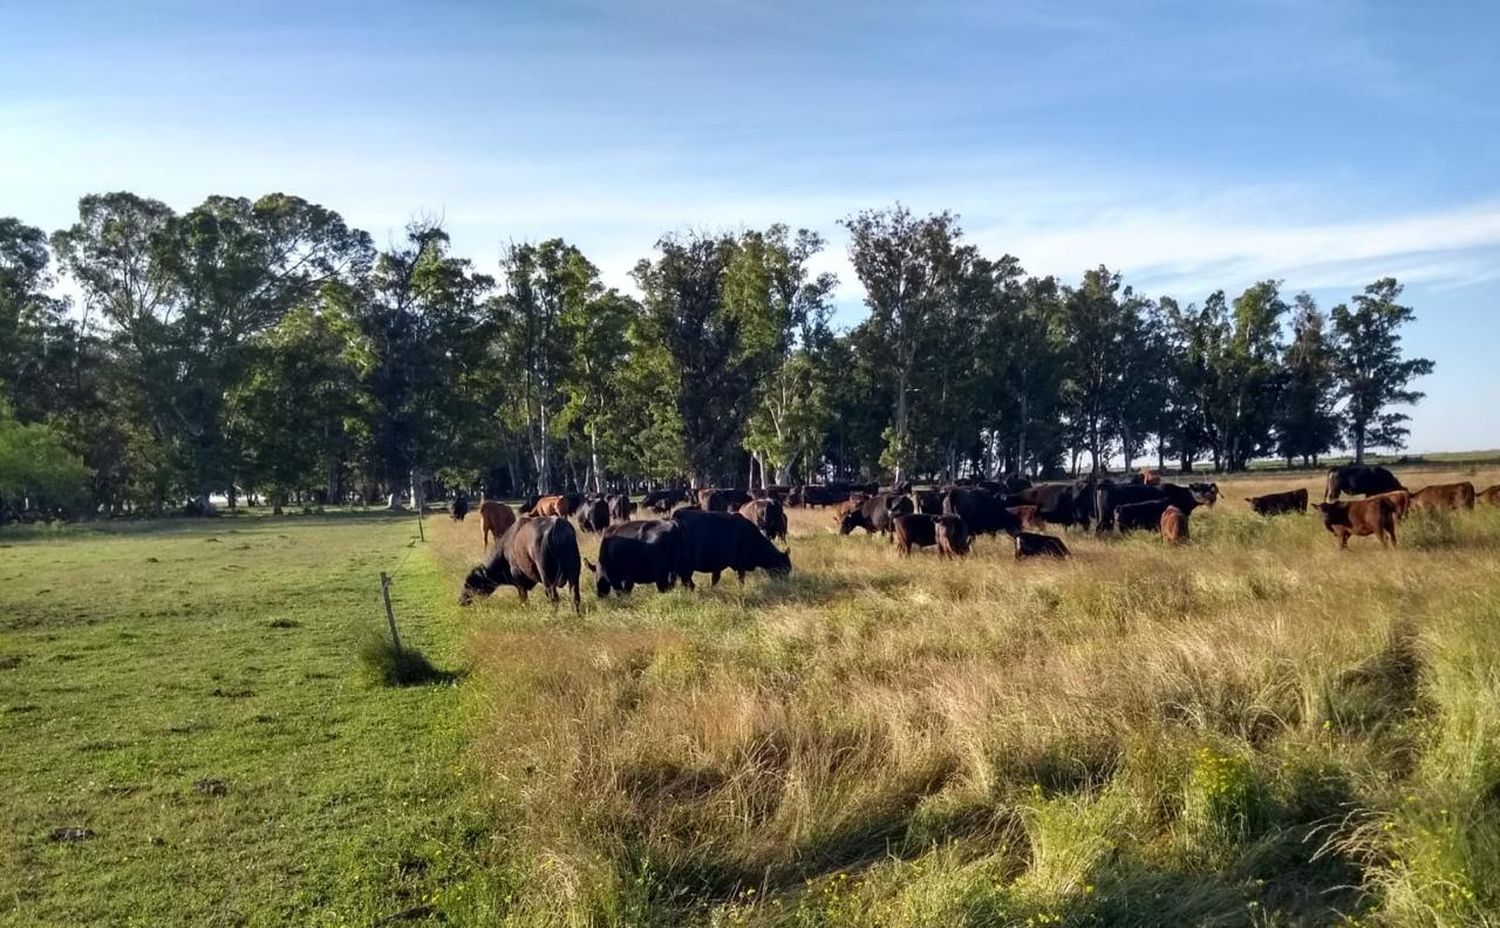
{"type": "Point", "coordinates": [187, 691]}
{"type": "Point", "coordinates": [1251, 730]}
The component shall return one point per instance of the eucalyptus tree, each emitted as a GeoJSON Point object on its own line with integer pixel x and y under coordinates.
{"type": "Point", "coordinates": [1373, 375]}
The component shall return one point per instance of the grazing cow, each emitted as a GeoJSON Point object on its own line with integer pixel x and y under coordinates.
{"type": "Point", "coordinates": [540, 551]}
{"type": "Point", "coordinates": [1445, 496]}
{"type": "Point", "coordinates": [914, 529]}
{"type": "Point", "coordinates": [1359, 480]}
{"type": "Point", "coordinates": [952, 536]}
{"type": "Point", "coordinates": [1206, 493]}
{"type": "Point", "coordinates": [1362, 517]}
{"type": "Point", "coordinates": [1400, 501]}
{"type": "Point", "coordinates": [494, 519]}
{"type": "Point", "coordinates": [1133, 517]}
{"type": "Point", "coordinates": [1027, 516]}
{"type": "Point", "coordinates": [663, 500]}
{"type": "Point", "coordinates": [1490, 495]}
{"type": "Point", "coordinates": [713, 542]}
{"type": "Point", "coordinates": [645, 551]}
{"type": "Point", "coordinates": [1109, 497]}
{"type": "Point", "coordinates": [1274, 504]}
{"type": "Point", "coordinates": [874, 514]}
{"type": "Point", "coordinates": [593, 515]}
{"type": "Point", "coordinates": [983, 512]}
{"type": "Point", "coordinates": [620, 507]}
{"type": "Point", "coordinates": [460, 508]}
{"type": "Point", "coordinates": [768, 516]}
{"type": "Point", "coordinates": [1032, 544]}
{"type": "Point", "coordinates": [1174, 525]}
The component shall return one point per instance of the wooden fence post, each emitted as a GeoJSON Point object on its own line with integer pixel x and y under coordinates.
{"type": "Point", "coordinates": [390, 616]}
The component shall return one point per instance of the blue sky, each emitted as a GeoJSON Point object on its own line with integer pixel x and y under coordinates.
{"type": "Point", "coordinates": [1190, 145]}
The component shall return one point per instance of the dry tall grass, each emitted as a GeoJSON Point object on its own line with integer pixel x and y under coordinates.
{"type": "Point", "coordinates": [1251, 729]}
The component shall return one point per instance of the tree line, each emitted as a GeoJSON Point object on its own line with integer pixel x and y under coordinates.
{"type": "Point", "coordinates": [266, 347]}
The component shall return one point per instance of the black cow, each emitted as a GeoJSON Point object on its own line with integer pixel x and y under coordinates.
{"type": "Point", "coordinates": [1273, 504]}
{"type": "Point", "coordinates": [811, 495]}
{"type": "Point", "coordinates": [593, 515]}
{"type": "Point", "coordinates": [644, 551]}
{"type": "Point", "coordinates": [1064, 504]}
{"type": "Point", "coordinates": [620, 507]}
{"type": "Point", "coordinates": [983, 512]}
{"type": "Point", "coordinates": [1359, 480]}
{"type": "Point", "coordinates": [1032, 544]}
{"type": "Point", "coordinates": [713, 542]}
{"type": "Point", "coordinates": [533, 552]}
{"type": "Point", "coordinates": [1133, 517]}
{"type": "Point", "coordinates": [664, 500]}
{"type": "Point", "coordinates": [722, 500]}
{"type": "Point", "coordinates": [460, 507]}
{"type": "Point", "coordinates": [875, 514]}
{"type": "Point", "coordinates": [1108, 497]}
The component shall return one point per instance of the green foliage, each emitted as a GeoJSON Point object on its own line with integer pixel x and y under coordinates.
{"type": "Point", "coordinates": [36, 464]}
{"type": "Point", "coordinates": [1372, 373]}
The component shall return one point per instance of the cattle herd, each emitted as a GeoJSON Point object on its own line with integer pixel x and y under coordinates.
{"type": "Point", "coordinates": [717, 530]}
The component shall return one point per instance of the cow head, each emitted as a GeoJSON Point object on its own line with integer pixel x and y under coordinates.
{"type": "Point", "coordinates": [478, 581]}
{"type": "Point", "coordinates": [849, 521]}
{"type": "Point", "coordinates": [778, 561]}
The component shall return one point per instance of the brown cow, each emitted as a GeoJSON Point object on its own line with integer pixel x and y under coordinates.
{"type": "Point", "coordinates": [1490, 495]}
{"type": "Point", "coordinates": [1373, 516]}
{"type": "Point", "coordinates": [549, 506]}
{"type": "Point", "coordinates": [914, 530]}
{"type": "Point", "coordinates": [1027, 515]}
{"type": "Point", "coordinates": [494, 518]}
{"type": "Point", "coordinates": [1400, 501]}
{"type": "Point", "coordinates": [767, 515]}
{"type": "Point", "coordinates": [1445, 496]}
{"type": "Point", "coordinates": [1174, 526]}
{"type": "Point", "coordinates": [952, 536]}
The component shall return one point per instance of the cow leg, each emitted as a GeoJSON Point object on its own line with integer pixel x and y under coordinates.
{"type": "Point", "coordinates": [627, 586]}
{"type": "Point", "coordinates": [523, 593]}
{"type": "Point", "coordinates": [577, 599]}
{"type": "Point", "coordinates": [714, 578]}
{"type": "Point", "coordinates": [741, 575]}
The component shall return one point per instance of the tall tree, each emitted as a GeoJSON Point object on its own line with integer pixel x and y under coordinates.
{"type": "Point", "coordinates": [290, 414]}
{"type": "Point", "coordinates": [1248, 373]}
{"type": "Point", "coordinates": [598, 331]}
{"type": "Point", "coordinates": [1096, 324]}
{"type": "Point", "coordinates": [908, 267]}
{"type": "Point", "coordinates": [1306, 425]}
{"type": "Point", "coordinates": [1372, 373]}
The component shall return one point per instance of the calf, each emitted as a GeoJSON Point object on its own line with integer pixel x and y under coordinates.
{"type": "Point", "coordinates": [1274, 504]}
{"type": "Point", "coordinates": [1141, 516]}
{"type": "Point", "coordinates": [1360, 517]}
{"type": "Point", "coordinates": [1174, 525]}
{"type": "Point", "coordinates": [1031, 544]}
{"type": "Point", "coordinates": [1445, 496]}
{"type": "Point", "coordinates": [1491, 495]}
{"type": "Point", "coordinates": [913, 530]}
{"type": "Point", "coordinates": [460, 508]}
{"type": "Point", "coordinates": [952, 536]}
{"type": "Point", "coordinates": [494, 519]}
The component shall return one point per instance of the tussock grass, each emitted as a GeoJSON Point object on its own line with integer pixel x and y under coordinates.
{"type": "Point", "coordinates": [1253, 729]}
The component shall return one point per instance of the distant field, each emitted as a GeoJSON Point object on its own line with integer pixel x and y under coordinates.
{"type": "Point", "coordinates": [1251, 730]}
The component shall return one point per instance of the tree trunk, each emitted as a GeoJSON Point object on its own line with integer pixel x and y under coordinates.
{"type": "Point", "coordinates": [594, 457]}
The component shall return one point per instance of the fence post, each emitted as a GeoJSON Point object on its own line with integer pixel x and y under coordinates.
{"type": "Point", "coordinates": [390, 616]}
